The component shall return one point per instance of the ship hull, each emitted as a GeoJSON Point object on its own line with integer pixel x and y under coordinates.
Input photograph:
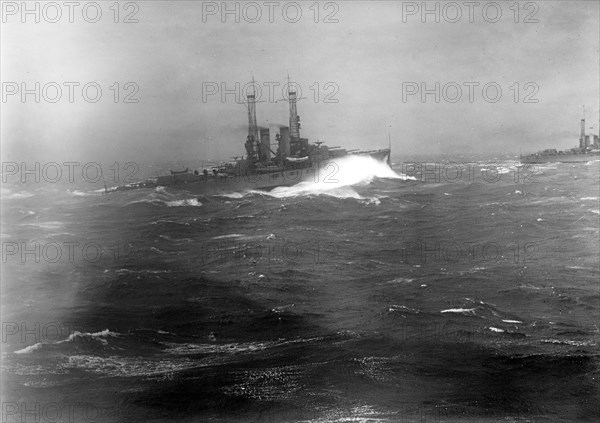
{"type": "Point", "coordinates": [324, 172]}
{"type": "Point", "coordinates": [559, 158]}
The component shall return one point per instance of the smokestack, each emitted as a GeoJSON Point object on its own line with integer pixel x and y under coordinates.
{"type": "Point", "coordinates": [284, 141]}
{"type": "Point", "coordinates": [265, 145]}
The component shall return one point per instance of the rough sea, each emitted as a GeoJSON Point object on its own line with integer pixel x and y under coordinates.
{"type": "Point", "coordinates": [418, 294]}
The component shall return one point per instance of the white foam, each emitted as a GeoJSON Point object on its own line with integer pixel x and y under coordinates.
{"type": "Point", "coordinates": [512, 321]}
{"type": "Point", "coordinates": [336, 178]}
{"type": "Point", "coordinates": [403, 309]}
{"type": "Point", "coordinates": [77, 193]}
{"type": "Point", "coordinates": [129, 367]}
{"type": "Point", "coordinates": [229, 236]}
{"type": "Point", "coordinates": [7, 194]}
{"type": "Point", "coordinates": [569, 342]}
{"type": "Point", "coordinates": [95, 335]}
{"type": "Point", "coordinates": [186, 202]}
{"type": "Point", "coordinates": [29, 349]}
{"type": "Point", "coordinates": [72, 337]}
{"type": "Point", "coordinates": [459, 310]}
{"type": "Point", "coordinates": [235, 195]}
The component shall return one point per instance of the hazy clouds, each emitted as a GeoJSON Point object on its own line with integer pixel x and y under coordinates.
{"type": "Point", "coordinates": [363, 62]}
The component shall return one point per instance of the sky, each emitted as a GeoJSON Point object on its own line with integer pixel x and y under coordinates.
{"type": "Point", "coordinates": [361, 68]}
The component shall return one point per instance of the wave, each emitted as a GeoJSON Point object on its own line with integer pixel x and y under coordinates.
{"type": "Point", "coordinates": [569, 342]}
{"type": "Point", "coordinates": [483, 310]}
{"type": "Point", "coordinates": [235, 348]}
{"type": "Point", "coordinates": [141, 272]}
{"type": "Point", "coordinates": [7, 194]}
{"type": "Point", "coordinates": [128, 367]}
{"type": "Point", "coordinates": [336, 179]}
{"type": "Point", "coordinates": [29, 349]}
{"type": "Point", "coordinates": [161, 197]}
{"type": "Point", "coordinates": [97, 336]}
{"type": "Point", "coordinates": [345, 173]}
{"type": "Point", "coordinates": [403, 309]}
{"type": "Point", "coordinates": [470, 311]}
{"type": "Point", "coordinates": [50, 225]}
{"type": "Point", "coordinates": [77, 193]}
{"type": "Point", "coordinates": [193, 202]}
{"type": "Point", "coordinates": [186, 202]}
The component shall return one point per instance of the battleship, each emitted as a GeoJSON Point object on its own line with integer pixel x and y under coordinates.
{"type": "Point", "coordinates": [588, 150]}
{"type": "Point", "coordinates": [261, 168]}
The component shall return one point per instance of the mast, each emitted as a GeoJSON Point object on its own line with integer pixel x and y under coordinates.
{"type": "Point", "coordinates": [252, 142]}
{"type": "Point", "coordinates": [582, 132]}
{"type": "Point", "coordinates": [294, 119]}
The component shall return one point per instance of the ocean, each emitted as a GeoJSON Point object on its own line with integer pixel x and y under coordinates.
{"type": "Point", "coordinates": [435, 292]}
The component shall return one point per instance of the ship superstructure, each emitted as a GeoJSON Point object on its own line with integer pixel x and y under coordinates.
{"type": "Point", "coordinates": [295, 159]}
{"type": "Point", "coordinates": [588, 149]}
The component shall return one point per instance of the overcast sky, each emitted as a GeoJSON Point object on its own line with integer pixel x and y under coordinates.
{"type": "Point", "coordinates": [367, 61]}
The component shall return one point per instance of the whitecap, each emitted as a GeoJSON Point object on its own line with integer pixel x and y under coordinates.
{"type": "Point", "coordinates": [569, 342]}
{"type": "Point", "coordinates": [228, 236]}
{"type": "Point", "coordinates": [77, 193]}
{"type": "Point", "coordinates": [187, 202]}
{"type": "Point", "coordinates": [99, 336]}
{"type": "Point", "coordinates": [128, 367]}
{"type": "Point", "coordinates": [29, 349]}
{"type": "Point", "coordinates": [336, 178]}
{"type": "Point", "coordinates": [403, 309]}
{"type": "Point", "coordinates": [9, 195]}
{"type": "Point", "coordinates": [93, 335]}
{"type": "Point", "coordinates": [459, 310]}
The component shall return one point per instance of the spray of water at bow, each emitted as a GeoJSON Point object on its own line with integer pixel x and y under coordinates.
{"type": "Point", "coordinates": [338, 177]}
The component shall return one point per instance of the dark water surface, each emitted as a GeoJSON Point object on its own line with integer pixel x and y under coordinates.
{"type": "Point", "coordinates": [377, 299]}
